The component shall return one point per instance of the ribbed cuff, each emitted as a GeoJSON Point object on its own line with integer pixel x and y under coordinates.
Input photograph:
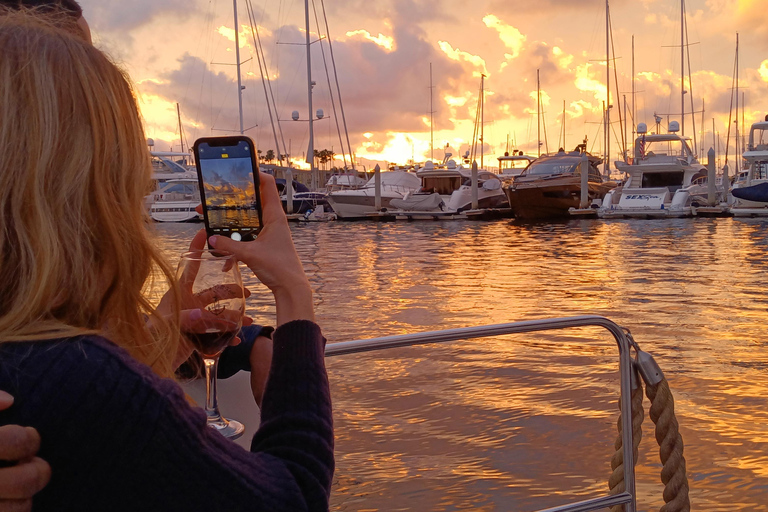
{"type": "Point", "coordinates": [297, 341]}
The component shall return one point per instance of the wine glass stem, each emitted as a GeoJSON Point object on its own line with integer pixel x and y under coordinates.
{"type": "Point", "coordinates": [211, 401]}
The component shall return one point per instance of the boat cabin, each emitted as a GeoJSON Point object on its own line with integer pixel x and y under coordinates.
{"type": "Point", "coordinates": [513, 165]}
{"type": "Point", "coordinates": [668, 145]}
{"type": "Point", "coordinates": [443, 179]}
{"type": "Point", "coordinates": [662, 160]}
{"type": "Point", "coordinates": [178, 190]}
{"type": "Point", "coordinates": [757, 150]}
{"type": "Point", "coordinates": [560, 164]}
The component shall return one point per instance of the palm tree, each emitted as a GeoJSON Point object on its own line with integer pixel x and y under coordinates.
{"type": "Point", "coordinates": [270, 155]}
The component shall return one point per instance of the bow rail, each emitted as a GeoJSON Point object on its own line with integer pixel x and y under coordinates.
{"type": "Point", "coordinates": [626, 498]}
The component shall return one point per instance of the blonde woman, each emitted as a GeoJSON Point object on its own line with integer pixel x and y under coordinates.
{"type": "Point", "coordinates": [75, 350]}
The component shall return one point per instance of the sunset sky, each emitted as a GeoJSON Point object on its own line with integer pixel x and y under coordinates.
{"type": "Point", "coordinates": [182, 51]}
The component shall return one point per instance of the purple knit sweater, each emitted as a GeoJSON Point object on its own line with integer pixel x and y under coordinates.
{"type": "Point", "coordinates": [118, 437]}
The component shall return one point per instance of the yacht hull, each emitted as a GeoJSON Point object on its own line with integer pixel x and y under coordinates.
{"type": "Point", "coordinates": [357, 206]}
{"type": "Point", "coordinates": [174, 211]}
{"type": "Point", "coordinates": [550, 198]}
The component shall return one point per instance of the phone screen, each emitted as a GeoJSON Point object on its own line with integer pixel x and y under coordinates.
{"type": "Point", "coordinates": [229, 186]}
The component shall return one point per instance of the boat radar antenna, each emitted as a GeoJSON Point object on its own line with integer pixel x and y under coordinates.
{"type": "Point", "coordinates": [657, 118]}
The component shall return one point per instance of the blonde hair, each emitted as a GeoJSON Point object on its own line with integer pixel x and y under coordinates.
{"type": "Point", "coordinates": [76, 253]}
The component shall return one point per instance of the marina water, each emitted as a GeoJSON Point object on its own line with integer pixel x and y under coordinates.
{"type": "Point", "coordinates": [527, 422]}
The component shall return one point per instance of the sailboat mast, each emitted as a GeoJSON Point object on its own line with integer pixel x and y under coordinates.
{"type": "Point", "coordinates": [564, 145]}
{"type": "Point", "coordinates": [482, 118]}
{"type": "Point", "coordinates": [431, 118]}
{"type": "Point", "coordinates": [181, 133]}
{"type": "Point", "coordinates": [607, 169]}
{"type": "Point", "coordinates": [682, 65]}
{"type": "Point", "coordinates": [239, 79]}
{"type": "Point", "coordinates": [634, 112]}
{"type": "Point", "coordinates": [737, 93]}
{"type": "Point", "coordinates": [743, 128]}
{"type": "Point", "coordinates": [538, 113]}
{"type": "Point", "coordinates": [311, 149]}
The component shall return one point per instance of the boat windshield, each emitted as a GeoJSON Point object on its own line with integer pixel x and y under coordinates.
{"type": "Point", "coordinates": [759, 139]}
{"type": "Point", "coordinates": [182, 187]}
{"type": "Point", "coordinates": [553, 166]}
{"type": "Point", "coordinates": [677, 148]}
{"type": "Point", "coordinates": [513, 164]}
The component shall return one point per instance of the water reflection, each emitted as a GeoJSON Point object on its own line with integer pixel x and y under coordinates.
{"type": "Point", "coordinates": [525, 422]}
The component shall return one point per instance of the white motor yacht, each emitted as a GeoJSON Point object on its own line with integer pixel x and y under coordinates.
{"type": "Point", "coordinates": [749, 196]}
{"type": "Point", "coordinates": [359, 203]}
{"type": "Point", "coordinates": [447, 189]}
{"type": "Point", "coordinates": [664, 179]}
{"type": "Point", "coordinates": [176, 200]}
{"type": "Point", "coordinates": [168, 166]}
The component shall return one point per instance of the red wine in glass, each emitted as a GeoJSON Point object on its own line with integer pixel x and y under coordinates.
{"type": "Point", "coordinates": [210, 344]}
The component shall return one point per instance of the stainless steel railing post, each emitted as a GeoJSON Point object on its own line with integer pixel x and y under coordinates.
{"type": "Point", "coordinates": [627, 498]}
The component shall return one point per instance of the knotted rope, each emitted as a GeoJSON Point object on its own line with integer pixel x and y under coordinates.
{"type": "Point", "coordinates": [670, 441]}
{"type": "Point", "coordinates": [662, 413]}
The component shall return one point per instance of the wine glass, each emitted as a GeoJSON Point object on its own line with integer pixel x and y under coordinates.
{"type": "Point", "coordinates": [210, 281]}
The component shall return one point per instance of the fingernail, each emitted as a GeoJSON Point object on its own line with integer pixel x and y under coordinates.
{"type": "Point", "coordinates": [6, 398]}
{"type": "Point", "coordinates": [212, 240]}
{"type": "Point", "coordinates": [195, 315]}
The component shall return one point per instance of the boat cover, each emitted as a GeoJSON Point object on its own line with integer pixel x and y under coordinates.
{"type": "Point", "coordinates": [758, 193]}
{"type": "Point", "coordinates": [419, 202]}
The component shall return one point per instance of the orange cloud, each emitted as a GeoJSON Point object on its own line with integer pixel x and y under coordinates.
{"type": "Point", "coordinates": [456, 54]}
{"type": "Point", "coordinates": [509, 35]}
{"type": "Point", "coordinates": [386, 42]}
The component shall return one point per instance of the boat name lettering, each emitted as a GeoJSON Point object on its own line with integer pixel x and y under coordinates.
{"type": "Point", "coordinates": [646, 197]}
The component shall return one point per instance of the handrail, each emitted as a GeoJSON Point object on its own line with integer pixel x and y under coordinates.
{"type": "Point", "coordinates": [627, 498]}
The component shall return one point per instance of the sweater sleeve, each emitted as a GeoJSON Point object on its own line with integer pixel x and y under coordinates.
{"type": "Point", "coordinates": [119, 438]}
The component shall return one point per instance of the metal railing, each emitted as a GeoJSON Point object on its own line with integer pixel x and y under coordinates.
{"type": "Point", "coordinates": [626, 498]}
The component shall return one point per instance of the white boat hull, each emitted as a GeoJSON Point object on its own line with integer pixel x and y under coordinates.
{"type": "Point", "coordinates": [174, 211]}
{"type": "Point", "coordinates": [358, 204]}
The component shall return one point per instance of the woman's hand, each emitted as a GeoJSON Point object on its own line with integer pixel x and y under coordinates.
{"type": "Point", "coordinates": [272, 257]}
{"type": "Point", "coordinates": [19, 483]}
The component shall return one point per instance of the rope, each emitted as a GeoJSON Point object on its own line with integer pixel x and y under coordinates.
{"type": "Point", "coordinates": [662, 413]}
{"type": "Point", "coordinates": [616, 480]}
{"type": "Point", "coordinates": [670, 441]}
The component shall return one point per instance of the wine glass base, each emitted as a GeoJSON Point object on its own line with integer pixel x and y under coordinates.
{"type": "Point", "coordinates": [231, 429]}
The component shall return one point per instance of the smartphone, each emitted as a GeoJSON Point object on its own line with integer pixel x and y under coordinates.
{"type": "Point", "coordinates": [227, 169]}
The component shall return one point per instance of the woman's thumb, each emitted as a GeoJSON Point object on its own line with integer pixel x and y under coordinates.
{"type": "Point", "coordinates": [222, 243]}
